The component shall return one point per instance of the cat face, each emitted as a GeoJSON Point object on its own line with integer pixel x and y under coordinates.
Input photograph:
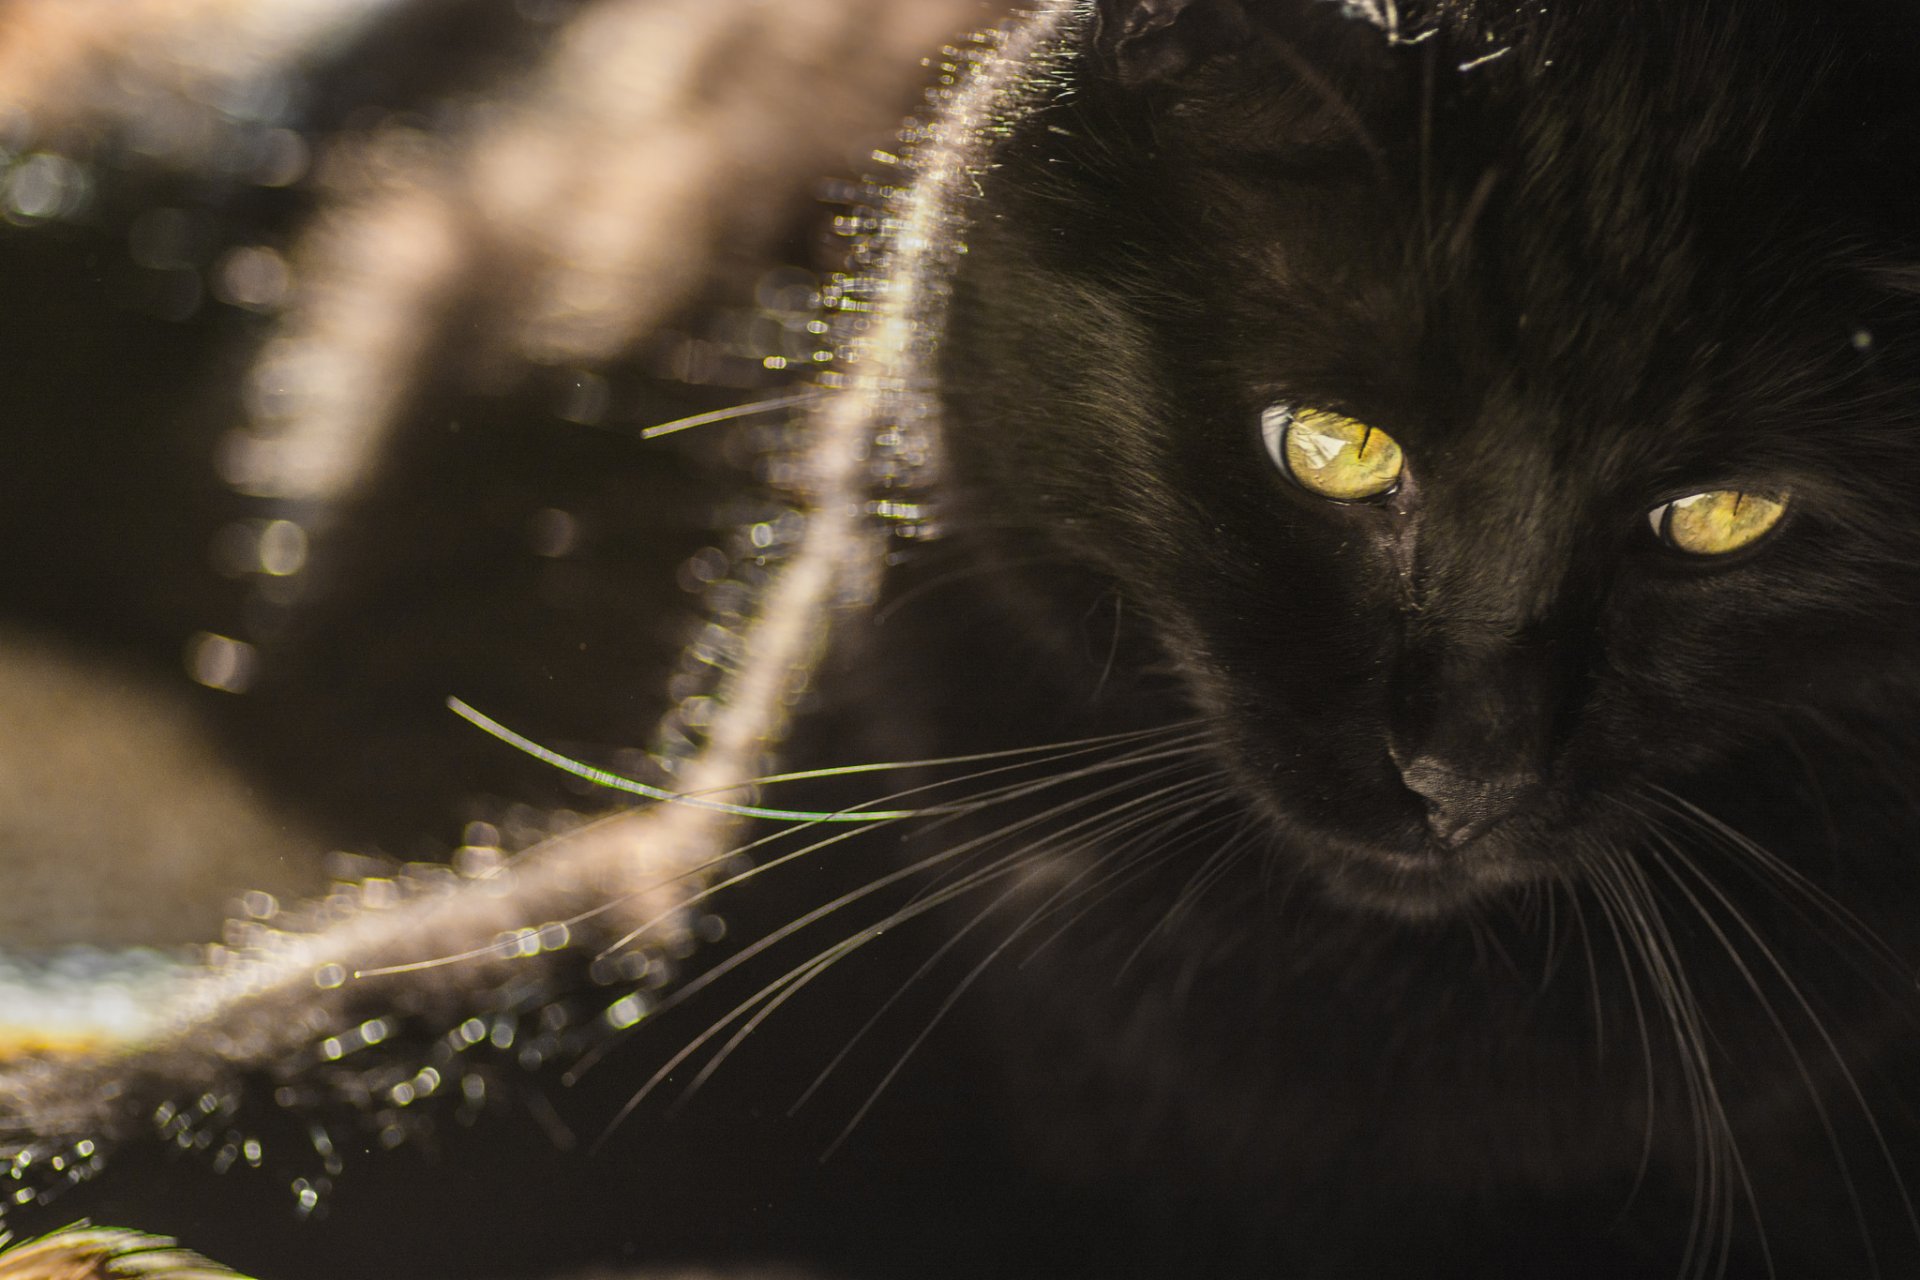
{"type": "Point", "coordinates": [1502, 421]}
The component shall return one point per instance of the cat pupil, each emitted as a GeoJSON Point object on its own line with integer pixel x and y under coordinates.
{"type": "Point", "coordinates": [1716, 522]}
{"type": "Point", "coordinates": [1331, 455]}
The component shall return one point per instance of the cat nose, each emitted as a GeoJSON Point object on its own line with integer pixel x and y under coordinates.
{"type": "Point", "coordinates": [1462, 807]}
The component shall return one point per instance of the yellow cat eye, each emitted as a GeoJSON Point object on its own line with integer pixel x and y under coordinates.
{"type": "Point", "coordinates": [1717, 521]}
{"type": "Point", "coordinates": [1332, 455]}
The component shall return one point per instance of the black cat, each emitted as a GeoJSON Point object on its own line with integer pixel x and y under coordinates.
{"type": "Point", "coordinates": [1487, 425]}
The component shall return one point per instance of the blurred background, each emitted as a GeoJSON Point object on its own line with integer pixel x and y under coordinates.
{"type": "Point", "coordinates": [328, 330]}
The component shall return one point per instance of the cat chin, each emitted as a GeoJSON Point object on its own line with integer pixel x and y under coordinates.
{"type": "Point", "coordinates": [1419, 885]}
{"type": "Point", "coordinates": [1418, 896]}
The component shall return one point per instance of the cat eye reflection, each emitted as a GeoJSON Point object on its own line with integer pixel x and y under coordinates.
{"type": "Point", "coordinates": [1332, 455]}
{"type": "Point", "coordinates": [1717, 521]}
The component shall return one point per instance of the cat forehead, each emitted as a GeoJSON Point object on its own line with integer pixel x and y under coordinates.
{"type": "Point", "coordinates": [1601, 274]}
{"type": "Point", "coordinates": [1648, 225]}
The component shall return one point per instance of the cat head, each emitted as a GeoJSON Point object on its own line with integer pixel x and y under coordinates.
{"type": "Point", "coordinates": [1503, 417]}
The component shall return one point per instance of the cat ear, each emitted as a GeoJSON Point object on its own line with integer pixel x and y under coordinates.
{"type": "Point", "coordinates": [1148, 40]}
{"type": "Point", "coordinates": [1151, 40]}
